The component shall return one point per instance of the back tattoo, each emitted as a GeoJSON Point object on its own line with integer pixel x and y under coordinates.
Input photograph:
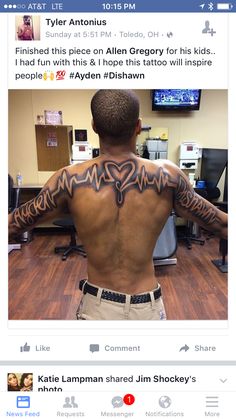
{"type": "Point", "coordinates": [121, 177]}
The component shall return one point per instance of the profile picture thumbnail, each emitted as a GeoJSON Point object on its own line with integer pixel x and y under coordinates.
{"type": "Point", "coordinates": [20, 382]}
{"type": "Point", "coordinates": [27, 28]}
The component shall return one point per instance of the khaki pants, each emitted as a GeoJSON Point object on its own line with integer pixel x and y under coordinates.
{"type": "Point", "coordinates": [97, 308]}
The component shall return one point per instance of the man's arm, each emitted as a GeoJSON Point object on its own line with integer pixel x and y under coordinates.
{"type": "Point", "coordinates": [50, 203]}
{"type": "Point", "coordinates": [191, 206]}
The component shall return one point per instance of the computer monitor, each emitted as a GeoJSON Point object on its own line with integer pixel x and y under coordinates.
{"type": "Point", "coordinates": [214, 162]}
{"type": "Point", "coordinates": [81, 135]}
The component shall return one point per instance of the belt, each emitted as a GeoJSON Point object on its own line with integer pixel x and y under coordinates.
{"type": "Point", "coordinates": [117, 297]}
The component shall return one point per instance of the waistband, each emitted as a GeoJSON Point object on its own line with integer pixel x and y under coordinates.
{"type": "Point", "coordinates": [117, 297]}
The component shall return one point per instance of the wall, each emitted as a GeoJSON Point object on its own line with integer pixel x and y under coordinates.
{"type": "Point", "coordinates": [208, 126]}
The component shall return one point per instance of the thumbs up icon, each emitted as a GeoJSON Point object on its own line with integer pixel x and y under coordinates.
{"type": "Point", "coordinates": [25, 348]}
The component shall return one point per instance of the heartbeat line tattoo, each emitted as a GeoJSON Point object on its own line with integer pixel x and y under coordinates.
{"type": "Point", "coordinates": [194, 204]}
{"type": "Point", "coordinates": [122, 177]}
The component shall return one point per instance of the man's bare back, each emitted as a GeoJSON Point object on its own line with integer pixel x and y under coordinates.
{"type": "Point", "coordinates": [119, 206]}
{"type": "Point", "coordinates": [119, 203]}
{"type": "Point", "coordinates": [119, 221]}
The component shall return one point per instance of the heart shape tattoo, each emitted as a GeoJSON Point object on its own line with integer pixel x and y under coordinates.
{"type": "Point", "coordinates": [123, 175]}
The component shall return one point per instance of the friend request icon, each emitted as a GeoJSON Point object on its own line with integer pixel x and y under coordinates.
{"type": "Point", "coordinates": [207, 29]}
{"type": "Point", "coordinates": [70, 403]}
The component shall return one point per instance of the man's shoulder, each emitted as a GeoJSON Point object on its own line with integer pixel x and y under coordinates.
{"type": "Point", "coordinates": [152, 165]}
{"type": "Point", "coordinates": [79, 168]}
{"type": "Point", "coordinates": [164, 164]}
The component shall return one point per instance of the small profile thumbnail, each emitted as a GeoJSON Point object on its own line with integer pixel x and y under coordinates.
{"type": "Point", "coordinates": [27, 28]}
{"type": "Point", "coordinates": [19, 382]}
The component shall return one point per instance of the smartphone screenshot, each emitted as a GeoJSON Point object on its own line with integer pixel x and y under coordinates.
{"type": "Point", "coordinates": [117, 157]}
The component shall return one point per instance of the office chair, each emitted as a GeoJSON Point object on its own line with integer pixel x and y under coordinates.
{"type": "Point", "coordinates": [13, 202]}
{"type": "Point", "coordinates": [214, 163]}
{"type": "Point", "coordinates": [190, 235]}
{"type": "Point", "coordinates": [219, 162]}
{"type": "Point", "coordinates": [222, 263]}
{"type": "Point", "coordinates": [166, 244]}
{"type": "Point", "coordinates": [68, 224]}
{"type": "Point", "coordinates": [13, 195]}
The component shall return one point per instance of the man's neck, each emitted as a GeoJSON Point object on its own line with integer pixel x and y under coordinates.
{"type": "Point", "coordinates": [123, 151]}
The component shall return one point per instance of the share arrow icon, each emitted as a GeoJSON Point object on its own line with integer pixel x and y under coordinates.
{"type": "Point", "coordinates": [184, 348]}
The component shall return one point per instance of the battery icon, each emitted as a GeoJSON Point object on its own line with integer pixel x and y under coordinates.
{"type": "Point", "coordinates": [224, 6]}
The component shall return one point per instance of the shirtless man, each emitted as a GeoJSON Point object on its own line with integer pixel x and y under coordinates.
{"type": "Point", "coordinates": [25, 31]}
{"type": "Point", "coordinates": [119, 203]}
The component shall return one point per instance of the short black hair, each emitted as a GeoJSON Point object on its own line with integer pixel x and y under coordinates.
{"type": "Point", "coordinates": [115, 115]}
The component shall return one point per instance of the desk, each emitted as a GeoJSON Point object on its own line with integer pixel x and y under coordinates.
{"type": "Point", "coordinates": [13, 246]}
{"type": "Point", "coordinates": [28, 186]}
{"type": "Point", "coordinates": [26, 192]}
{"type": "Point", "coordinates": [19, 189]}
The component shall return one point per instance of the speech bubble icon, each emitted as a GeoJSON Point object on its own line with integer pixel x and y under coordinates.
{"type": "Point", "coordinates": [94, 347]}
{"type": "Point", "coordinates": [117, 401]}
